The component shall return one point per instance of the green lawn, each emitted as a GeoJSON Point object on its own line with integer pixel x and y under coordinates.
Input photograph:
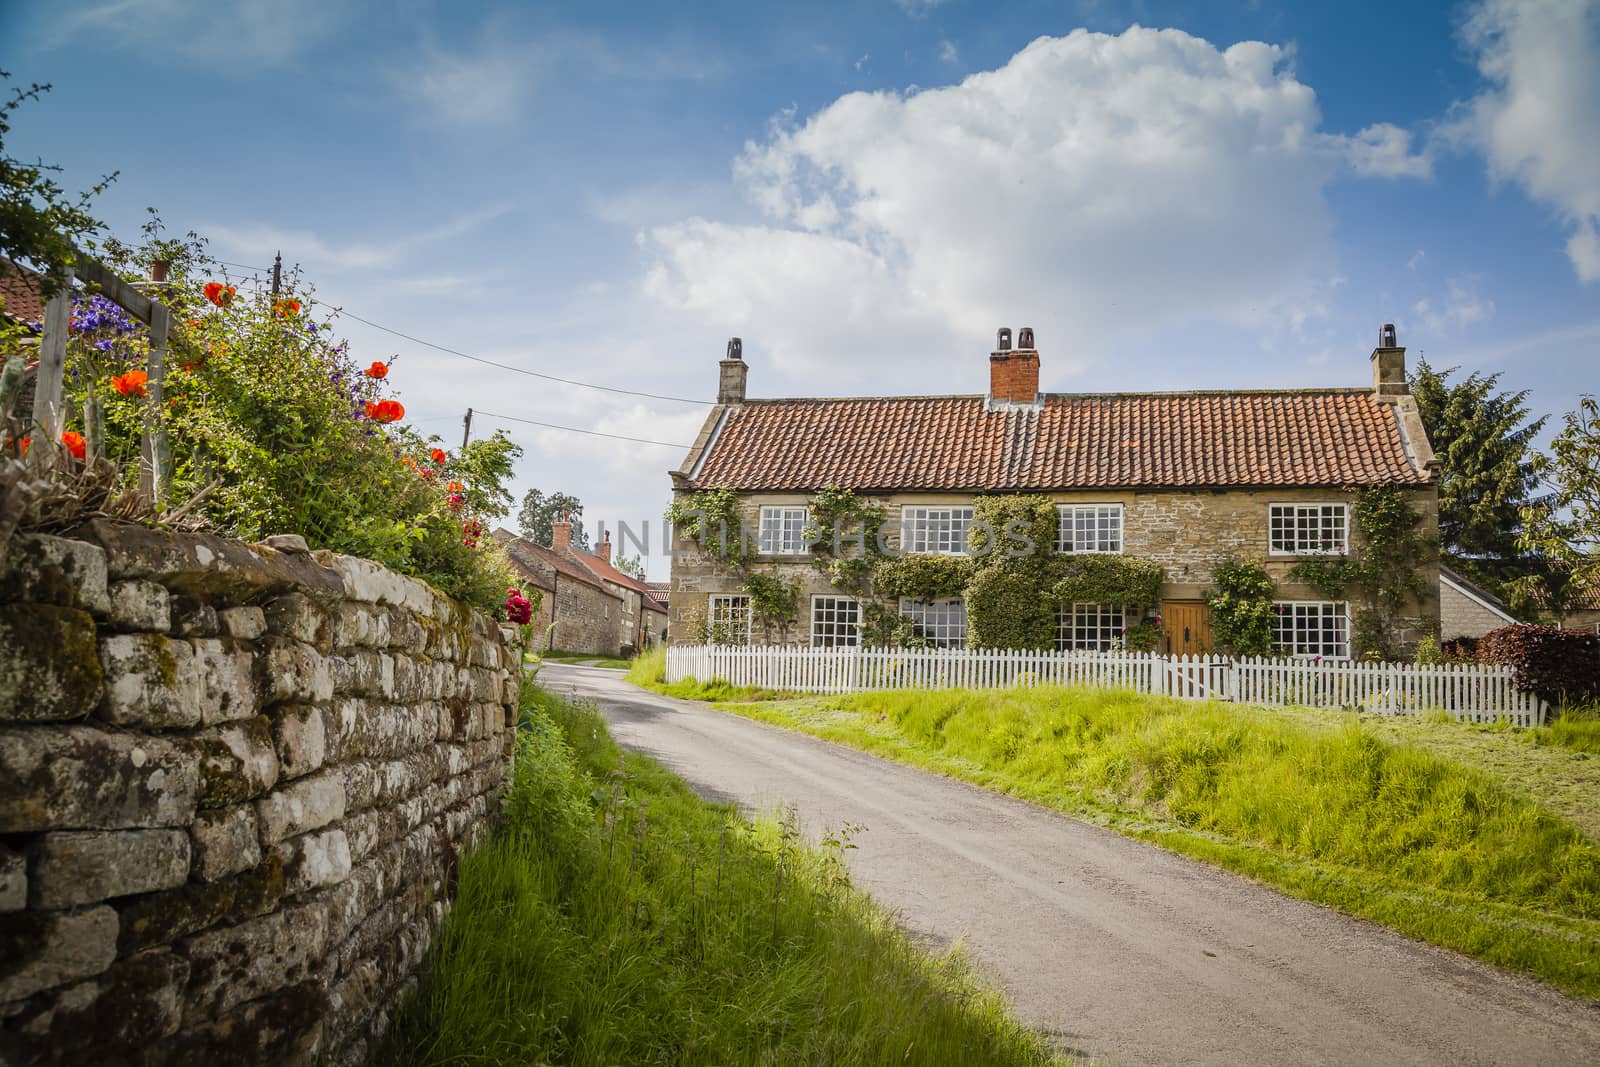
{"type": "Point", "coordinates": [1482, 840]}
{"type": "Point", "coordinates": [616, 918]}
{"type": "Point", "coordinates": [589, 659]}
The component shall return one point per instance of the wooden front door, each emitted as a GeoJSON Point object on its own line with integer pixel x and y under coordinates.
{"type": "Point", "coordinates": [1188, 627]}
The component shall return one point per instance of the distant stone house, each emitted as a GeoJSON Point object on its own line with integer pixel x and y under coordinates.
{"type": "Point", "coordinates": [587, 616]}
{"type": "Point", "coordinates": [1181, 478]}
{"type": "Point", "coordinates": [643, 620]}
{"type": "Point", "coordinates": [19, 287]}
{"type": "Point", "coordinates": [1467, 609]}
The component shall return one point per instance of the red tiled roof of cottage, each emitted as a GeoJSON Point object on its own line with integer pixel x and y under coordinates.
{"type": "Point", "coordinates": [603, 569]}
{"type": "Point", "coordinates": [1330, 437]}
{"type": "Point", "coordinates": [20, 287]}
{"type": "Point", "coordinates": [658, 592]}
{"type": "Point", "coordinates": [524, 554]}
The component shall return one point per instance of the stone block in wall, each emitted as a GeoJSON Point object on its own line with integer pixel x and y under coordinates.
{"type": "Point", "coordinates": [284, 1028]}
{"type": "Point", "coordinates": [308, 804]}
{"type": "Point", "coordinates": [162, 918]}
{"type": "Point", "coordinates": [234, 964]}
{"type": "Point", "coordinates": [151, 681]}
{"type": "Point", "coordinates": [136, 1002]}
{"type": "Point", "coordinates": [314, 860]}
{"type": "Point", "coordinates": [40, 569]}
{"type": "Point", "coordinates": [228, 691]}
{"type": "Point", "coordinates": [43, 949]}
{"type": "Point", "coordinates": [238, 762]}
{"type": "Point", "coordinates": [194, 616]}
{"type": "Point", "coordinates": [371, 584]}
{"type": "Point", "coordinates": [360, 625]}
{"type": "Point", "coordinates": [226, 841]}
{"type": "Point", "coordinates": [207, 565]}
{"type": "Point", "coordinates": [244, 623]}
{"type": "Point", "coordinates": [140, 605]}
{"type": "Point", "coordinates": [289, 670]}
{"type": "Point", "coordinates": [363, 672]}
{"type": "Point", "coordinates": [49, 665]}
{"type": "Point", "coordinates": [72, 867]}
{"type": "Point", "coordinates": [13, 880]}
{"type": "Point", "coordinates": [300, 732]}
{"type": "Point", "coordinates": [77, 777]}
{"type": "Point", "coordinates": [405, 632]}
{"type": "Point", "coordinates": [297, 616]}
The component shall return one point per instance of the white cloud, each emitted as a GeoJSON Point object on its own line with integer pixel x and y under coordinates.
{"type": "Point", "coordinates": [310, 248]}
{"type": "Point", "coordinates": [1384, 151]}
{"type": "Point", "coordinates": [1092, 187]}
{"type": "Point", "coordinates": [948, 53]}
{"type": "Point", "coordinates": [917, 8]}
{"type": "Point", "coordinates": [1462, 306]}
{"type": "Point", "coordinates": [864, 60]}
{"type": "Point", "coordinates": [228, 37]}
{"type": "Point", "coordinates": [1539, 122]}
{"type": "Point", "coordinates": [1416, 260]}
{"type": "Point", "coordinates": [481, 87]}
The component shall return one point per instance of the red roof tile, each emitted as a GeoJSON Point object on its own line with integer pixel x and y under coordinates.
{"type": "Point", "coordinates": [525, 554]}
{"type": "Point", "coordinates": [20, 288]}
{"type": "Point", "coordinates": [1333, 437]}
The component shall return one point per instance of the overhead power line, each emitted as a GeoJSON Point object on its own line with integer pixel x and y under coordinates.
{"type": "Point", "coordinates": [576, 429]}
{"type": "Point", "coordinates": [522, 370]}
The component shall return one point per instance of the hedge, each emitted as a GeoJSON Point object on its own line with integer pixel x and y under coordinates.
{"type": "Point", "coordinates": [1562, 666]}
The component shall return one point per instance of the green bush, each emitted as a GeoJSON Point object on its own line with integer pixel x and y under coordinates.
{"type": "Point", "coordinates": [1008, 609]}
{"type": "Point", "coordinates": [1241, 607]}
{"type": "Point", "coordinates": [921, 577]}
{"type": "Point", "coordinates": [1108, 579]}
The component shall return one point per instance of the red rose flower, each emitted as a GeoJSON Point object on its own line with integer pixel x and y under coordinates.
{"type": "Point", "coordinates": [519, 609]}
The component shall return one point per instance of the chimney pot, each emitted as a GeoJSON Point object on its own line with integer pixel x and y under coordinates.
{"type": "Point", "coordinates": [561, 533]}
{"type": "Point", "coordinates": [1014, 372]}
{"type": "Point", "coordinates": [734, 373]}
{"type": "Point", "coordinates": [1002, 339]}
{"type": "Point", "coordinates": [604, 551]}
{"type": "Point", "coordinates": [1389, 366]}
{"type": "Point", "coordinates": [1025, 337]}
{"type": "Point", "coordinates": [158, 270]}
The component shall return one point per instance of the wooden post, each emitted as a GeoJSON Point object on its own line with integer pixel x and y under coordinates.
{"type": "Point", "coordinates": [155, 474]}
{"type": "Point", "coordinates": [466, 433]}
{"type": "Point", "coordinates": [48, 413]}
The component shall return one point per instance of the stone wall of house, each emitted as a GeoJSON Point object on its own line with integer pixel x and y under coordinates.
{"type": "Point", "coordinates": [1462, 616]}
{"type": "Point", "coordinates": [586, 618]}
{"type": "Point", "coordinates": [1187, 532]}
{"type": "Point", "coordinates": [234, 780]}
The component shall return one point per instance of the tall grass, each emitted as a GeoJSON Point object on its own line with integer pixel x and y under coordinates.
{"type": "Point", "coordinates": [619, 919]}
{"type": "Point", "coordinates": [1334, 813]}
{"type": "Point", "coordinates": [649, 671]}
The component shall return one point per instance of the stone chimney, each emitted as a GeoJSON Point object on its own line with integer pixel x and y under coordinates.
{"type": "Point", "coordinates": [604, 551]}
{"type": "Point", "coordinates": [1389, 365]}
{"type": "Point", "coordinates": [561, 534]}
{"type": "Point", "coordinates": [730, 387]}
{"type": "Point", "coordinates": [1014, 372]}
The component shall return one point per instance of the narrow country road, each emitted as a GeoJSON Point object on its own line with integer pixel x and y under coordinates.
{"type": "Point", "coordinates": [1114, 947]}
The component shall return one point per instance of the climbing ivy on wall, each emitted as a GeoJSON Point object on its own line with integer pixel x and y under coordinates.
{"type": "Point", "coordinates": [1106, 579]}
{"type": "Point", "coordinates": [772, 604]}
{"type": "Point", "coordinates": [1010, 599]}
{"type": "Point", "coordinates": [1241, 607]}
{"type": "Point", "coordinates": [839, 521]}
{"type": "Point", "coordinates": [711, 518]}
{"type": "Point", "coordinates": [921, 577]}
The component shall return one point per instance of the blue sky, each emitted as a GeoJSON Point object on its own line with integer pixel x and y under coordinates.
{"type": "Point", "coordinates": [1173, 196]}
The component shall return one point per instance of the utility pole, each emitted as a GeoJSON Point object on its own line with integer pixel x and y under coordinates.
{"type": "Point", "coordinates": [466, 433]}
{"type": "Point", "coordinates": [277, 274]}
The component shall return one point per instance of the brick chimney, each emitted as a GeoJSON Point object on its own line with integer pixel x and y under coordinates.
{"type": "Point", "coordinates": [730, 386]}
{"type": "Point", "coordinates": [1014, 372]}
{"type": "Point", "coordinates": [561, 534]}
{"type": "Point", "coordinates": [604, 551]}
{"type": "Point", "coordinates": [1389, 365]}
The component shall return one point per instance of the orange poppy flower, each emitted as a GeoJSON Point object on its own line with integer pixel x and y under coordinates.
{"type": "Point", "coordinates": [453, 487]}
{"type": "Point", "coordinates": [75, 443]}
{"type": "Point", "coordinates": [439, 455]}
{"type": "Point", "coordinates": [378, 370]}
{"type": "Point", "coordinates": [385, 410]}
{"type": "Point", "coordinates": [407, 461]}
{"type": "Point", "coordinates": [130, 384]}
{"type": "Point", "coordinates": [193, 324]}
{"type": "Point", "coordinates": [219, 294]}
{"type": "Point", "coordinates": [22, 446]}
{"type": "Point", "coordinates": [288, 307]}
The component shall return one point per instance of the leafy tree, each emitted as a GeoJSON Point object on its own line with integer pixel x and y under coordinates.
{"type": "Point", "coordinates": [485, 466]}
{"type": "Point", "coordinates": [39, 221]}
{"type": "Point", "coordinates": [1565, 529]}
{"type": "Point", "coordinates": [631, 565]}
{"type": "Point", "coordinates": [539, 515]}
{"type": "Point", "coordinates": [1487, 469]}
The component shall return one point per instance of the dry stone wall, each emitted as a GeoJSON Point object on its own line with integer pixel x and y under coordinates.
{"type": "Point", "coordinates": [234, 780]}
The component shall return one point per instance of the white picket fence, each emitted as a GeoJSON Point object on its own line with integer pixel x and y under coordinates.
{"type": "Point", "coordinates": [1472, 692]}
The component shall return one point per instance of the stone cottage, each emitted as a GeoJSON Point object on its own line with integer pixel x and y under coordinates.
{"type": "Point", "coordinates": [1184, 479]}
{"type": "Point", "coordinates": [642, 620]}
{"type": "Point", "coordinates": [587, 616]}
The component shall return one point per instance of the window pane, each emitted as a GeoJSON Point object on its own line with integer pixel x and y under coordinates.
{"type": "Point", "coordinates": [835, 621]}
{"type": "Point", "coordinates": [728, 620]}
{"type": "Point", "coordinates": [942, 622]}
{"type": "Point", "coordinates": [1090, 627]}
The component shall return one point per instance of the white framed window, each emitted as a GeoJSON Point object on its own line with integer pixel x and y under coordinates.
{"type": "Point", "coordinates": [1088, 528]}
{"type": "Point", "coordinates": [835, 621]}
{"type": "Point", "coordinates": [1306, 628]}
{"type": "Point", "coordinates": [937, 530]}
{"type": "Point", "coordinates": [1308, 529]}
{"type": "Point", "coordinates": [942, 622]}
{"type": "Point", "coordinates": [728, 619]}
{"type": "Point", "coordinates": [1090, 627]}
{"type": "Point", "coordinates": [783, 531]}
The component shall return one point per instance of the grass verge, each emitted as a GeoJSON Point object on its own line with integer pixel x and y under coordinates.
{"type": "Point", "coordinates": [649, 671]}
{"type": "Point", "coordinates": [588, 658]}
{"type": "Point", "coordinates": [1321, 805]}
{"type": "Point", "coordinates": [618, 918]}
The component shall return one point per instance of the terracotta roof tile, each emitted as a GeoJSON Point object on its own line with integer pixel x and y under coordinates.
{"type": "Point", "coordinates": [20, 288]}
{"type": "Point", "coordinates": [1333, 437]}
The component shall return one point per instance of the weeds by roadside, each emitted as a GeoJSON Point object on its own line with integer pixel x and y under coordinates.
{"type": "Point", "coordinates": [618, 918]}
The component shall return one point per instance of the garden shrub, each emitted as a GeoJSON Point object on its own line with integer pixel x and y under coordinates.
{"type": "Point", "coordinates": [274, 427]}
{"type": "Point", "coordinates": [1010, 602]}
{"type": "Point", "coordinates": [1108, 579]}
{"type": "Point", "coordinates": [921, 577]}
{"type": "Point", "coordinates": [1561, 666]}
{"type": "Point", "coordinates": [1008, 609]}
{"type": "Point", "coordinates": [1241, 607]}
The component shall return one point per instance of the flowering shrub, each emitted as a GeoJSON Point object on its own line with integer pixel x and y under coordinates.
{"type": "Point", "coordinates": [272, 419]}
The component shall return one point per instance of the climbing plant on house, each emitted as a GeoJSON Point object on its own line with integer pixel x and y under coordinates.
{"type": "Point", "coordinates": [1010, 599]}
{"type": "Point", "coordinates": [1241, 607]}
